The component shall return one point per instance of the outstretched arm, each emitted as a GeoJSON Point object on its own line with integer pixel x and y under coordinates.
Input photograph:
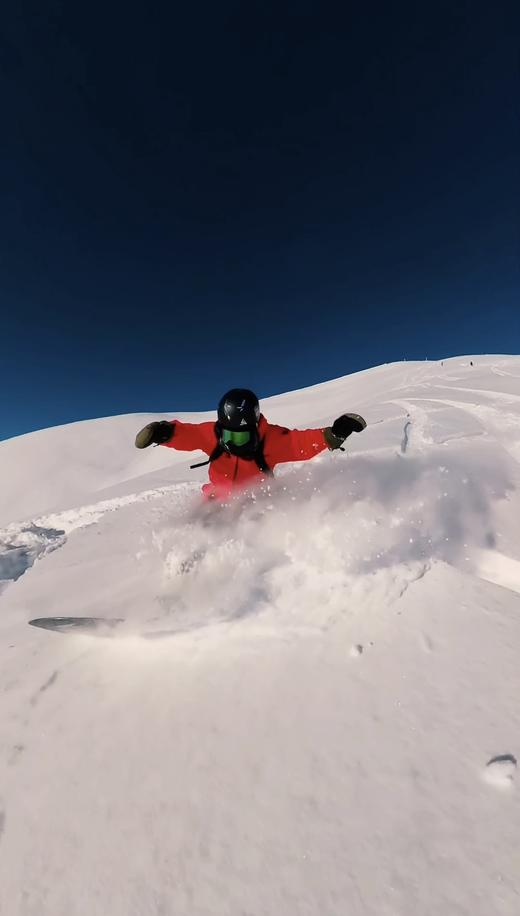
{"type": "Point", "coordinates": [302, 444]}
{"type": "Point", "coordinates": [294, 445]}
{"type": "Point", "coordinates": [185, 437]}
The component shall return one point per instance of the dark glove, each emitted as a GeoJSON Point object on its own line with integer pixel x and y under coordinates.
{"type": "Point", "coordinates": [155, 434]}
{"type": "Point", "coordinates": [341, 429]}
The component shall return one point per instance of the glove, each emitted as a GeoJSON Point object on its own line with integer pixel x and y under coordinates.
{"type": "Point", "coordinates": [341, 429]}
{"type": "Point", "coordinates": [155, 434]}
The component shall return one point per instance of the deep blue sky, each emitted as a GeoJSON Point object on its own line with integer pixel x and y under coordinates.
{"type": "Point", "coordinates": [263, 194]}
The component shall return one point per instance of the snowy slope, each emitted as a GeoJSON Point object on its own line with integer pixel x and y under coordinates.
{"type": "Point", "coordinates": [312, 707]}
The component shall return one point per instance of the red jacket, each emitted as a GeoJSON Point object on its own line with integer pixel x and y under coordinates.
{"type": "Point", "coordinates": [228, 473]}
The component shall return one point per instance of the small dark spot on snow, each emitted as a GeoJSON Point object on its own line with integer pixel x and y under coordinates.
{"type": "Point", "coordinates": [45, 686]}
{"type": "Point", "coordinates": [16, 752]}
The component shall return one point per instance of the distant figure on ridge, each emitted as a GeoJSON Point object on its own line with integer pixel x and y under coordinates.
{"type": "Point", "coordinates": [242, 447]}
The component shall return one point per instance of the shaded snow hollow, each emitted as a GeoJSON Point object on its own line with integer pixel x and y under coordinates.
{"type": "Point", "coordinates": [326, 722]}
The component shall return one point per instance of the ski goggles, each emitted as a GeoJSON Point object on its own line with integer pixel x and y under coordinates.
{"type": "Point", "coordinates": [235, 437]}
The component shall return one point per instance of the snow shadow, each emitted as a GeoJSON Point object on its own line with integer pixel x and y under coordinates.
{"type": "Point", "coordinates": [21, 547]}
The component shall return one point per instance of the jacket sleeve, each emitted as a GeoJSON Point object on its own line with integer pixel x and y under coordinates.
{"type": "Point", "coordinates": [293, 444]}
{"type": "Point", "coordinates": [190, 437]}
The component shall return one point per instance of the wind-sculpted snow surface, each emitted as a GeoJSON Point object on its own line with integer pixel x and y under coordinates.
{"type": "Point", "coordinates": [323, 717]}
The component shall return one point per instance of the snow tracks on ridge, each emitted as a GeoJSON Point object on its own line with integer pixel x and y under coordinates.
{"type": "Point", "coordinates": [22, 543]}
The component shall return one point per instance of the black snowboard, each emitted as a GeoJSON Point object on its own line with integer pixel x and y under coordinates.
{"type": "Point", "coordinates": [102, 626]}
{"type": "Point", "coordinates": [91, 626]}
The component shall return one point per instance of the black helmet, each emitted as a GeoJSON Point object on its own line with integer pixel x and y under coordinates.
{"type": "Point", "coordinates": [239, 410]}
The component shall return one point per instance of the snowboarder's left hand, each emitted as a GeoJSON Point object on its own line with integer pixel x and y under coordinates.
{"type": "Point", "coordinates": [341, 429]}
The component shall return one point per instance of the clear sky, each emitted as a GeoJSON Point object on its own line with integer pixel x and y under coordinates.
{"type": "Point", "coordinates": [261, 194]}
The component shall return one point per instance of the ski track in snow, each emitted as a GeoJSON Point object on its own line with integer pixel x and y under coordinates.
{"type": "Point", "coordinates": [420, 420]}
{"type": "Point", "coordinates": [22, 544]}
{"type": "Point", "coordinates": [492, 419]}
{"type": "Point", "coordinates": [406, 436]}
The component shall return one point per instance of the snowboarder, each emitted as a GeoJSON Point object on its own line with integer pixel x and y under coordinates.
{"type": "Point", "coordinates": [242, 447]}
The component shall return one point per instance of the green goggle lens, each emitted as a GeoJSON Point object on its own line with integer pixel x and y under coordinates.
{"type": "Point", "coordinates": [235, 438]}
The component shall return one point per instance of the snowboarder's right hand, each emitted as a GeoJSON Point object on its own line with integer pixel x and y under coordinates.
{"type": "Point", "coordinates": [154, 434]}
